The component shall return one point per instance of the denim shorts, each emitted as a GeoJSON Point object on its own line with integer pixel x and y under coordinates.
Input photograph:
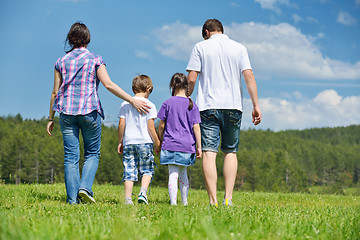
{"type": "Point", "coordinates": [138, 157]}
{"type": "Point", "coordinates": [177, 158]}
{"type": "Point", "coordinates": [224, 123]}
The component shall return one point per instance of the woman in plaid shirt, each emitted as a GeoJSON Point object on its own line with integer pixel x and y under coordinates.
{"type": "Point", "coordinates": [75, 96]}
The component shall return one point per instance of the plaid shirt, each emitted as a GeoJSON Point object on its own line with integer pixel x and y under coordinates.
{"type": "Point", "coordinates": [78, 93]}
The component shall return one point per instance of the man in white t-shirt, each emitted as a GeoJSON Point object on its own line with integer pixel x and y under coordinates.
{"type": "Point", "coordinates": [219, 62]}
{"type": "Point", "coordinates": [137, 134]}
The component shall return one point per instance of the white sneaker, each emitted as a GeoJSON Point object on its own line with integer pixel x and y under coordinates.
{"type": "Point", "coordinates": [142, 199]}
{"type": "Point", "coordinates": [129, 202]}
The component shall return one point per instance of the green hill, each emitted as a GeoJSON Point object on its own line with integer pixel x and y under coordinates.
{"type": "Point", "coordinates": [286, 161]}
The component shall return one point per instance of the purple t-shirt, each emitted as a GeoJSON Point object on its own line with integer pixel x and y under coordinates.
{"type": "Point", "coordinates": [179, 134]}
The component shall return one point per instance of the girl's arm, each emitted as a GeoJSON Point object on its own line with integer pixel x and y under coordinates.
{"type": "Point", "coordinates": [153, 135]}
{"type": "Point", "coordinates": [161, 130]}
{"type": "Point", "coordinates": [57, 84]}
{"type": "Point", "coordinates": [197, 133]}
{"type": "Point", "coordinates": [104, 78]}
{"type": "Point", "coordinates": [121, 130]}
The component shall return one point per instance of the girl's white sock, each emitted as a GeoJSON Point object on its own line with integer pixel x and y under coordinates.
{"type": "Point", "coordinates": [184, 184]}
{"type": "Point", "coordinates": [173, 183]}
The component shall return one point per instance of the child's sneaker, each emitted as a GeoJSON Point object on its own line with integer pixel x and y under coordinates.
{"type": "Point", "coordinates": [86, 197]}
{"type": "Point", "coordinates": [128, 201]}
{"type": "Point", "coordinates": [142, 199]}
{"type": "Point", "coordinates": [227, 202]}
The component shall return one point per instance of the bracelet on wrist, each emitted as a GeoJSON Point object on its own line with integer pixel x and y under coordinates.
{"type": "Point", "coordinates": [50, 119]}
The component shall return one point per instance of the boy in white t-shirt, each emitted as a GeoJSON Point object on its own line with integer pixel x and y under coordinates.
{"type": "Point", "coordinates": [137, 134]}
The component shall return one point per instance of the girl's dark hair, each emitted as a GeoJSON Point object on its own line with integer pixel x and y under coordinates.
{"type": "Point", "coordinates": [78, 36]}
{"type": "Point", "coordinates": [180, 81]}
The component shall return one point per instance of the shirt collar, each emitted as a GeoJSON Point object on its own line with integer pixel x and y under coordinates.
{"type": "Point", "coordinates": [219, 35]}
{"type": "Point", "coordinates": [82, 49]}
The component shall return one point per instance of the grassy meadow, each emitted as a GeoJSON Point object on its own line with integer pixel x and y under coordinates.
{"type": "Point", "coordinates": [39, 212]}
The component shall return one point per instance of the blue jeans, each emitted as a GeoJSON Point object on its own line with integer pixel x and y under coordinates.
{"type": "Point", "coordinates": [220, 122]}
{"type": "Point", "coordinates": [90, 126]}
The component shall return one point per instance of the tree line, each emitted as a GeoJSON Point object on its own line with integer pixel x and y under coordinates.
{"type": "Point", "coordinates": [286, 161]}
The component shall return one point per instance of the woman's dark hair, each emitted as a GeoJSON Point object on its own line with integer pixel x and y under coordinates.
{"type": "Point", "coordinates": [212, 25]}
{"type": "Point", "coordinates": [78, 36]}
{"type": "Point", "coordinates": [180, 81]}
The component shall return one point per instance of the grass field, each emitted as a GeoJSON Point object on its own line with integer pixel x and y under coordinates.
{"type": "Point", "coordinates": [40, 212]}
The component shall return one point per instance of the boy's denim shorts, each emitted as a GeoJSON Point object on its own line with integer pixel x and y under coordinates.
{"type": "Point", "coordinates": [138, 157]}
{"type": "Point", "coordinates": [224, 123]}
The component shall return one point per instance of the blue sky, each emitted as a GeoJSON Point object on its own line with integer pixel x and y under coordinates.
{"type": "Point", "coordinates": [305, 54]}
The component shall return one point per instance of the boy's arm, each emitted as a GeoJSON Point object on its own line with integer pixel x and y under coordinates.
{"type": "Point", "coordinates": [197, 133]}
{"type": "Point", "coordinates": [121, 130]}
{"type": "Point", "coordinates": [153, 135]}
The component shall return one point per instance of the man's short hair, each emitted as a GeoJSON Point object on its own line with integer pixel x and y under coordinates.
{"type": "Point", "coordinates": [141, 83]}
{"type": "Point", "coordinates": [212, 25]}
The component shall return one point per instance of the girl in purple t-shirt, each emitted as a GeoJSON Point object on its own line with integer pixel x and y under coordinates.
{"type": "Point", "coordinates": [179, 133]}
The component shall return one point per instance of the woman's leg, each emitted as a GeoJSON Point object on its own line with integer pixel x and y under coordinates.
{"type": "Point", "coordinates": [90, 125]}
{"type": "Point", "coordinates": [173, 183]}
{"type": "Point", "coordinates": [70, 131]}
{"type": "Point", "coordinates": [184, 184]}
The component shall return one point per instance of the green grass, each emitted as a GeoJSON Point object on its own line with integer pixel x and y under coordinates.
{"type": "Point", "coordinates": [40, 212]}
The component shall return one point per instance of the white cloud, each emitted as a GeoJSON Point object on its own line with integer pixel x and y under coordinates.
{"type": "Point", "coordinates": [234, 4]}
{"type": "Point", "coordinates": [297, 18]}
{"type": "Point", "coordinates": [143, 55]}
{"type": "Point", "coordinates": [272, 4]}
{"type": "Point", "coordinates": [176, 40]}
{"type": "Point", "coordinates": [346, 19]}
{"type": "Point", "coordinates": [276, 51]}
{"type": "Point", "coordinates": [312, 20]}
{"type": "Point", "coordinates": [327, 109]}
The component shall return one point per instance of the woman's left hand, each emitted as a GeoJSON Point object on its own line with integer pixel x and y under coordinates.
{"type": "Point", "coordinates": [50, 127]}
{"type": "Point", "coordinates": [141, 106]}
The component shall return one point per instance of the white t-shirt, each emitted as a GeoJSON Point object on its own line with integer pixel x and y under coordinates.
{"type": "Point", "coordinates": [220, 62]}
{"type": "Point", "coordinates": [136, 124]}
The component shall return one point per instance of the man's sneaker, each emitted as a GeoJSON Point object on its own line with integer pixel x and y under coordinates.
{"type": "Point", "coordinates": [227, 202]}
{"type": "Point", "coordinates": [85, 197]}
{"type": "Point", "coordinates": [142, 199]}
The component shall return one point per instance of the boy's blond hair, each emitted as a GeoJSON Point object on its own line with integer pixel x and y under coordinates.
{"type": "Point", "coordinates": [141, 83]}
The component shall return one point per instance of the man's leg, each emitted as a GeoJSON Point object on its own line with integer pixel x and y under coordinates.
{"type": "Point", "coordinates": [231, 123]}
{"type": "Point", "coordinates": [210, 174]}
{"type": "Point", "coordinates": [230, 170]}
